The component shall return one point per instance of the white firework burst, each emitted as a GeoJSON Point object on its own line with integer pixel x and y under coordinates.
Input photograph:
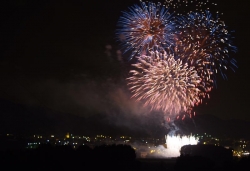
{"type": "Point", "coordinates": [163, 83]}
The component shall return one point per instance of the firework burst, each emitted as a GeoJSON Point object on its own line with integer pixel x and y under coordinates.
{"type": "Point", "coordinates": [209, 38]}
{"type": "Point", "coordinates": [145, 26]}
{"type": "Point", "coordinates": [164, 83]}
{"type": "Point", "coordinates": [191, 48]}
{"type": "Point", "coordinates": [198, 59]}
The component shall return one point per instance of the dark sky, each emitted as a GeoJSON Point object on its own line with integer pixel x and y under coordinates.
{"type": "Point", "coordinates": [54, 56]}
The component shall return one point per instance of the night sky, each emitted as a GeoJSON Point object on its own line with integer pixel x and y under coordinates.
{"type": "Point", "coordinates": [60, 58]}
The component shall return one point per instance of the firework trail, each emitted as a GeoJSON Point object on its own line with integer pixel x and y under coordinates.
{"type": "Point", "coordinates": [144, 27]}
{"type": "Point", "coordinates": [164, 83]}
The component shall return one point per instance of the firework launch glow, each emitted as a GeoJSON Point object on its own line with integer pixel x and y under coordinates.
{"type": "Point", "coordinates": [174, 144]}
{"type": "Point", "coordinates": [172, 147]}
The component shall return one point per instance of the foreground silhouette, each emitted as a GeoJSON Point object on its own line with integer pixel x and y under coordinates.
{"type": "Point", "coordinates": [116, 157]}
{"type": "Point", "coordinates": [48, 157]}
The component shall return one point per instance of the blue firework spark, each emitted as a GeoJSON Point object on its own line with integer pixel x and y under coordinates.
{"type": "Point", "coordinates": [208, 36]}
{"type": "Point", "coordinates": [145, 26]}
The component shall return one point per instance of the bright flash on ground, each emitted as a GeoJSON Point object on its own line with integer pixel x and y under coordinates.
{"type": "Point", "coordinates": [174, 144]}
